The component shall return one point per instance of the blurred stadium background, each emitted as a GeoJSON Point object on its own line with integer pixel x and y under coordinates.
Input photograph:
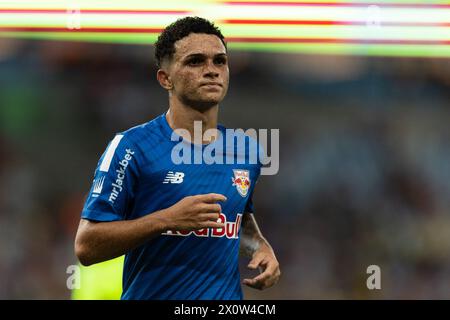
{"type": "Point", "coordinates": [364, 157]}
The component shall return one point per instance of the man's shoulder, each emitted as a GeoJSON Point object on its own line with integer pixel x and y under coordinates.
{"type": "Point", "coordinates": [147, 131]}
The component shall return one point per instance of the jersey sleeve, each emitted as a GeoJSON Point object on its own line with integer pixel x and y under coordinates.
{"type": "Point", "coordinates": [249, 205]}
{"type": "Point", "coordinates": [113, 188]}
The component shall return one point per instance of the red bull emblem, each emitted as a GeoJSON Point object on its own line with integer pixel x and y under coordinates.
{"type": "Point", "coordinates": [241, 180]}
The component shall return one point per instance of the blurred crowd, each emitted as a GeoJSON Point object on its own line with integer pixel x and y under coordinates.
{"type": "Point", "coordinates": [364, 162]}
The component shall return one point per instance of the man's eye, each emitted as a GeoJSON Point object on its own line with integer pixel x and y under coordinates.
{"type": "Point", "coordinates": [220, 61]}
{"type": "Point", "coordinates": [195, 61]}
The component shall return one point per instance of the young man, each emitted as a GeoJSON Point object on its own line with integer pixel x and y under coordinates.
{"type": "Point", "coordinates": [178, 223]}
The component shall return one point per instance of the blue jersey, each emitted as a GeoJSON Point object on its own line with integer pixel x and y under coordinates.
{"type": "Point", "coordinates": [139, 173]}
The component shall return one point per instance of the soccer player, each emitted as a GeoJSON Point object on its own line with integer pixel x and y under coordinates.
{"type": "Point", "coordinates": [181, 225]}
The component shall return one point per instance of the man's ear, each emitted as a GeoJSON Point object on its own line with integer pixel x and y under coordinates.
{"type": "Point", "coordinates": [164, 79]}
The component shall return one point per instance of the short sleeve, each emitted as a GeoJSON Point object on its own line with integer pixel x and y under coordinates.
{"type": "Point", "coordinates": [249, 205]}
{"type": "Point", "coordinates": [113, 188]}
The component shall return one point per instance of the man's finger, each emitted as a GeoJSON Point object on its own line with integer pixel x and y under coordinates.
{"type": "Point", "coordinates": [210, 217]}
{"type": "Point", "coordinates": [253, 283]}
{"type": "Point", "coordinates": [262, 281]}
{"type": "Point", "coordinates": [212, 224]}
{"type": "Point", "coordinates": [264, 275]}
{"type": "Point", "coordinates": [212, 197]}
{"type": "Point", "coordinates": [212, 207]}
{"type": "Point", "coordinates": [256, 261]}
{"type": "Point", "coordinates": [249, 282]}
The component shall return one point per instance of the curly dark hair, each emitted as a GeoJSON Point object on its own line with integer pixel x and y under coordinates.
{"type": "Point", "coordinates": [181, 28]}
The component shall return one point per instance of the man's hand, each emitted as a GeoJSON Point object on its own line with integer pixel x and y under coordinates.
{"type": "Point", "coordinates": [194, 213]}
{"type": "Point", "coordinates": [264, 259]}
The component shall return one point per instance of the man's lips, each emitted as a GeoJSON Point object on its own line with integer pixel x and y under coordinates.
{"type": "Point", "coordinates": [211, 84]}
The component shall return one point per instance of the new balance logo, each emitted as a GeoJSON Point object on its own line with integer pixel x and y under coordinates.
{"type": "Point", "coordinates": [174, 177]}
{"type": "Point", "coordinates": [98, 186]}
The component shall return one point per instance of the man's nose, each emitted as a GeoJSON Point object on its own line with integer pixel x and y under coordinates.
{"type": "Point", "coordinates": [211, 70]}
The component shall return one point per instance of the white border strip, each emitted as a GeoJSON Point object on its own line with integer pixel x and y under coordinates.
{"type": "Point", "coordinates": [106, 163]}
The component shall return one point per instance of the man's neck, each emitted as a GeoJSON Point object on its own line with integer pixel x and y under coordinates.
{"type": "Point", "coordinates": [181, 116]}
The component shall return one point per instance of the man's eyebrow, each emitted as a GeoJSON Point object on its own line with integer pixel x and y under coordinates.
{"type": "Point", "coordinates": [202, 55]}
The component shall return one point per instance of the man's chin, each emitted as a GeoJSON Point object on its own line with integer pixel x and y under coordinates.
{"type": "Point", "coordinates": [203, 105]}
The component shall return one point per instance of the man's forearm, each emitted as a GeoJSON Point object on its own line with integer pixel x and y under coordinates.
{"type": "Point", "coordinates": [101, 241]}
{"type": "Point", "coordinates": [97, 242]}
{"type": "Point", "coordinates": [251, 237]}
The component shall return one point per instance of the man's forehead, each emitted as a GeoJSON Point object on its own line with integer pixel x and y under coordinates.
{"type": "Point", "coordinates": [199, 43]}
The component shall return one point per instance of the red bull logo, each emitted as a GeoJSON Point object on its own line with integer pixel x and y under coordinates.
{"type": "Point", "coordinates": [231, 229]}
{"type": "Point", "coordinates": [241, 181]}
